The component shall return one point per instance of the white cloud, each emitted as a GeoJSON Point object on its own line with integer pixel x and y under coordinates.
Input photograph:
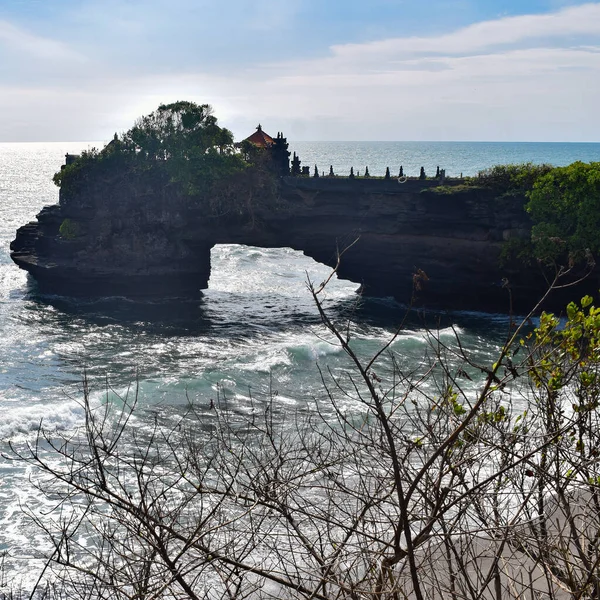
{"type": "Point", "coordinates": [514, 78]}
{"type": "Point", "coordinates": [533, 77]}
{"type": "Point", "coordinates": [573, 21]}
{"type": "Point", "coordinates": [41, 48]}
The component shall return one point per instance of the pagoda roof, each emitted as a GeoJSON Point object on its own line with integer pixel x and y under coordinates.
{"type": "Point", "coordinates": [260, 138]}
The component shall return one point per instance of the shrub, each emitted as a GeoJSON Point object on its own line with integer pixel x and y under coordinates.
{"type": "Point", "coordinates": [69, 229]}
{"type": "Point", "coordinates": [564, 205]}
{"type": "Point", "coordinates": [448, 190]}
{"type": "Point", "coordinates": [512, 179]}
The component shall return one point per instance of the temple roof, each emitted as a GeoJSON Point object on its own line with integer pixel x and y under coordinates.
{"type": "Point", "coordinates": [260, 138]}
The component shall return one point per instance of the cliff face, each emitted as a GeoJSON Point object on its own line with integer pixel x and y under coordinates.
{"type": "Point", "coordinates": [133, 237]}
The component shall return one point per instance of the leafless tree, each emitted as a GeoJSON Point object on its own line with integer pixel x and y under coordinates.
{"type": "Point", "coordinates": [400, 483]}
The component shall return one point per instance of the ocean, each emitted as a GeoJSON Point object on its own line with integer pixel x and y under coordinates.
{"type": "Point", "coordinates": [256, 328]}
{"type": "Point", "coordinates": [466, 158]}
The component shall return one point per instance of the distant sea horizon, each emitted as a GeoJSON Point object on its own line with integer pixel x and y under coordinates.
{"type": "Point", "coordinates": [457, 158]}
{"type": "Point", "coordinates": [290, 140]}
{"type": "Point", "coordinates": [466, 158]}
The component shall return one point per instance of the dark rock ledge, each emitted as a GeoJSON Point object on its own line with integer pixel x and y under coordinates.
{"type": "Point", "coordinates": [143, 243]}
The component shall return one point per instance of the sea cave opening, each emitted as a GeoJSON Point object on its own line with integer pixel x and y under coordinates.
{"type": "Point", "coordinates": [262, 281]}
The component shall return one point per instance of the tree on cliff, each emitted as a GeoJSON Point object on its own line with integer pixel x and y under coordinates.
{"type": "Point", "coordinates": [179, 130]}
{"type": "Point", "coordinates": [564, 205]}
{"type": "Point", "coordinates": [179, 146]}
{"type": "Point", "coordinates": [183, 140]}
{"type": "Point", "coordinates": [195, 149]}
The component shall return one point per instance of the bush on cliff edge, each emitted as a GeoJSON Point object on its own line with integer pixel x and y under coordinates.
{"type": "Point", "coordinates": [564, 205]}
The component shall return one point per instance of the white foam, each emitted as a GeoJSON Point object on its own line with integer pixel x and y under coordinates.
{"type": "Point", "coordinates": [22, 420]}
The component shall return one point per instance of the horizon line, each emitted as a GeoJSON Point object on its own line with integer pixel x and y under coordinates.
{"type": "Point", "coordinates": [342, 141]}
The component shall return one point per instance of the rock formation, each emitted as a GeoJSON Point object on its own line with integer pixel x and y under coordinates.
{"type": "Point", "coordinates": [134, 237]}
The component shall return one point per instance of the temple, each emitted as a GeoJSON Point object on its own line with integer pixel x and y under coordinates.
{"type": "Point", "coordinates": [277, 148]}
{"type": "Point", "coordinates": [260, 139]}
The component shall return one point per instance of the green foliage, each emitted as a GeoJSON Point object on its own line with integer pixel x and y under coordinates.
{"type": "Point", "coordinates": [186, 137]}
{"type": "Point", "coordinates": [449, 190]}
{"type": "Point", "coordinates": [71, 172]}
{"type": "Point", "coordinates": [182, 141]}
{"type": "Point", "coordinates": [69, 229]}
{"type": "Point", "coordinates": [568, 352]}
{"type": "Point", "coordinates": [519, 249]}
{"type": "Point", "coordinates": [512, 179]}
{"type": "Point", "coordinates": [564, 205]}
{"type": "Point", "coordinates": [505, 180]}
{"type": "Point", "coordinates": [178, 130]}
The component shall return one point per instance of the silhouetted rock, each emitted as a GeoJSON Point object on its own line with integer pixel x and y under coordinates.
{"type": "Point", "coordinates": [139, 238]}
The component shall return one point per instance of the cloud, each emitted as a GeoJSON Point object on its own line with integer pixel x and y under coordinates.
{"type": "Point", "coordinates": [526, 77]}
{"type": "Point", "coordinates": [532, 77]}
{"type": "Point", "coordinates": [18, 40]}
{"type": "Point", "coordinates": [572, 21]}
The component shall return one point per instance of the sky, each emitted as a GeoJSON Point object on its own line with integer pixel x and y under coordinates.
{"type": "Point", "coordinates": [472, 70]}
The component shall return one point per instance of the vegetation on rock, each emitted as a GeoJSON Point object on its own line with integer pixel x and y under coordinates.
{"type": "Point", "coordinates": [564, 204]}
{"type": "Point", "coordinates": [179, 145]}
{"type": "Point", "coordinates": [69, 229]}
{"type": "Point", "coordinates": [511, 179]}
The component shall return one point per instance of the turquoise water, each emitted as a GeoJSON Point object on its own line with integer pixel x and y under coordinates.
{"type": "Point", "coordinates": [256, 326]}
{"type": "Point", "coordinates": [467, 158]}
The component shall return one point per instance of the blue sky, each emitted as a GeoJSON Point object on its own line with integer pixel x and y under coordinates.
{"type": "Point", "coordinates": [525, 70]}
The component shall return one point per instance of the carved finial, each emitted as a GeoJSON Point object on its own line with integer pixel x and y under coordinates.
{"type": "Point", "coordinates": [259, 128]}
